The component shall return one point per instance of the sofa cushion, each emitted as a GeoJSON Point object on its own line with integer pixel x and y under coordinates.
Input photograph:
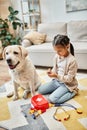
{"type": "Point", "coordinates": [35, 37]}
{"type": "Point", "coordinates": [26, 43]}
{"type": "Point", "coordinates": [42, 55]}
{"type": "Point", "coordinates": [46, 47]}
{"type": "Point", "coordinates": [52, 29]}
{"type": "Point", "coordinates": [80, 47]}
{"type": "Point", "coordinates": [77, 30]}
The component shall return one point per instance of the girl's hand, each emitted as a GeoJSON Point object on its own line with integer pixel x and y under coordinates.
{"type": "Point", "coordinates": [49, 71]}
{"type": "Point", "coordinates": [51, 74]}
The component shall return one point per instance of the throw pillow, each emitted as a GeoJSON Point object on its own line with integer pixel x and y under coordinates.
{"type": "Point", "coordinates": [26, 43]}
{"type": "Point", "coordinates": [35, 37]}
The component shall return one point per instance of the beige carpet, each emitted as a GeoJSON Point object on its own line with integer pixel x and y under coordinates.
{"type": "Point", "coordinates": [10, 111]}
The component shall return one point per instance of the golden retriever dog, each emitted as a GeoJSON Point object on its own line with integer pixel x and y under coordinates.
{"type": "Point", "coordinates": [23, 72]}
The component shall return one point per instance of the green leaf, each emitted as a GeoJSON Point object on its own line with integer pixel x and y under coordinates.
{"type": "Point", "coordinates": [8, 33]}
{"type": "Point", "coordinates": [14, 25]}
{"type": "Point", "coordinates": [11, 10]}
{"type": "Point", "coordinates": [11, 18]}
{"type": "Point", "coordinates": [7, 40]}
{"type": "Point", "coordinates": [18, 38]}
{"type": "Point", "coordinates": [13, 42]}
{"type": "Point", "coordinates": [1, 20]}
{"type": "Point", "coordinates": [5, 43]}
{"type": "Point", "coordinates": [1, 38]}
{"type": "Point", "coordinates": [19, 24]}
{"type": "Point", "coordinates": [16, 18]}
{"type": "Point", "coordinates": [15, 12]}
{"type": "Point", "coordinates": [1, 25]}
{"type": "Point", "coordinates": [3, 32]}
{"type": "Point", "coordinates": [6, 25]}
{"type": "Point", "coordinates": [8, 37]}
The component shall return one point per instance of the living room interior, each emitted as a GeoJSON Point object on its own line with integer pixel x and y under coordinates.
{"type": "Point", "coordinates": [41, 21]}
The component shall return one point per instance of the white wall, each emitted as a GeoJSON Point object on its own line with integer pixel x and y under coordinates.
{"type": "Point", "coordinates": [55, 10]}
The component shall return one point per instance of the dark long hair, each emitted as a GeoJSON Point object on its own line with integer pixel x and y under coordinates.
{"type": "Point", "coordinates": [64, 41]}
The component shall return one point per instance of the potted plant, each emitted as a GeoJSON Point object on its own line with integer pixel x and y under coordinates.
{"type": "Point", "coordinates": [13, 19]}
{"type": "Point", "coordinates": [6, 36]}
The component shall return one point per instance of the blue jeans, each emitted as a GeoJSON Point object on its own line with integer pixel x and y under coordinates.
{"type": "Point", "coordinates": [58, 91]}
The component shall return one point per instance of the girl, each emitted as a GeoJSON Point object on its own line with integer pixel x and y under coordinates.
{"type": "Point", "coordinates": [64, 84]}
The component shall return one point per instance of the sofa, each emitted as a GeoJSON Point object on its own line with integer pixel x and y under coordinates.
{"type": "Point", "coordinates": [42, 53]}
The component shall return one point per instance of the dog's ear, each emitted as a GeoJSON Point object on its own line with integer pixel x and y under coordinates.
{"type": "Point", "coordinates": [24, 51]}
{"type": "Point", "coordinates": [3, 54]}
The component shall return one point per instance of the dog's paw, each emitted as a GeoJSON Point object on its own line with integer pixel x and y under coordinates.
{"type": "Point", "coordinates": [33, 94]}
{"type": "Point", "coordinates": [25, 94]}
{"type": "Point", "coordinates": [15, 98]}
{"type": "Point", "coordinates": [10, 94]}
